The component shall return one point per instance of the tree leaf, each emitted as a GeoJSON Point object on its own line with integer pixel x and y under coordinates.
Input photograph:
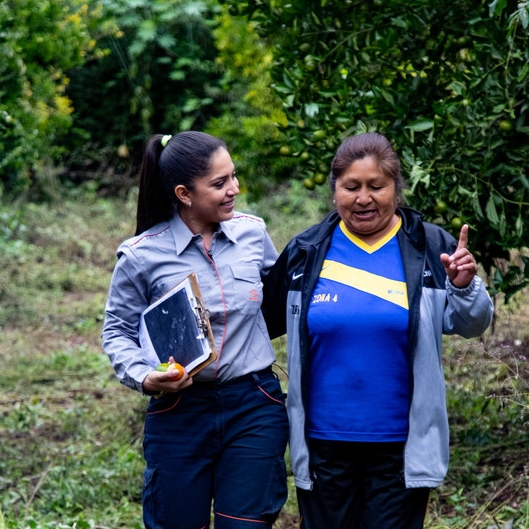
{"type": "Point", "coordinates": [147, 30]}
{"type": "Point", "coordinates": [523, 72]}
{"type": "Point", "coordinates": [421, 125]}
{"type": "Point", "coordinates": [524, 14]}
{"type": "Point", "coordinates": [311, 109]}
{"type": "Point", "coordinates": [503, 224]}
{"type": "Point", "coordinates": [491, 212]}
{"type": "Point", "coordinates": [477, 207]}
{"type": "Point", "coordinates": [518, 226]}
{"type": "Point", "coordinates": [496, 7]}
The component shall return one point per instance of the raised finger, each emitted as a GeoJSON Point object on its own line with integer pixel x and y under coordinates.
{"type": "Point", "coordinates": [463, 237]}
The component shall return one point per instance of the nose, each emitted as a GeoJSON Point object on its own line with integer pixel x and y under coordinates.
{"type": "Point", "coordinates": [234, 187]}
{"type": "Point", "coordinates": [363, 197]}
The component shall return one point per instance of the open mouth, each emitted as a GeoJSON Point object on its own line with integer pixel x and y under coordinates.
{"type": "Point", "coordinates": [364, 214]}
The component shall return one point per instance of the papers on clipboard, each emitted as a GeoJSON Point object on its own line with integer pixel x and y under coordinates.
{"type": "Point", "coordinates": [177, 325]}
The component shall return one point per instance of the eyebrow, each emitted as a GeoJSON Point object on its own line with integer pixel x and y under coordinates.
{"type": "Point", "coordinates": [218, 178]}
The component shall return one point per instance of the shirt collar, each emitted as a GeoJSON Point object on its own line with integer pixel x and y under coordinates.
{"type": "Point", "coordinates": [226, 229]}
{"type": "Point", "coordinates": [183, 236]}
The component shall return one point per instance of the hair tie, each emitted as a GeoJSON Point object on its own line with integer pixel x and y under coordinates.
{"type": "Point", "coordinates": [165, 139]}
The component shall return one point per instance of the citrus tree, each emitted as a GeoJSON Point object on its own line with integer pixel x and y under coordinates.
{"type": "Point", "coordinates": [447, 82]}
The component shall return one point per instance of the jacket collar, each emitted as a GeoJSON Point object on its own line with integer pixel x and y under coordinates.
{"type": "Point", "coordinates": [317, 233]}
{"type": "Point", "coordinates": [411, 220]}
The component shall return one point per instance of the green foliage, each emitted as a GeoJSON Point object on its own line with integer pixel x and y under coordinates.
{"type": "Point", "coordinates": [39, 41]}
{"type": "Point", "coordinates": [70, 455]}
{"type": "Point", "coordinates": [159, 74]}
{"type": "Point", "coordinates": [251, 110]}
{"type": "Point", "coordinates": [447, 82]}
{"type": "Point", "coordinates": [33, 242]}
{"type": "Point", "coordinates": [289, 210]}
{"type": "Point", "coordinates": [488, 401]}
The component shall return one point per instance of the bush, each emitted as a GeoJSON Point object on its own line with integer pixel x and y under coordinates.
{"type": "Point", "coordinates": [38, 42]}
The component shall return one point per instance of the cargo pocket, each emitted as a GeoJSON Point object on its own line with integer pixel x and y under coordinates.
{"type": "Point", "coordinates": [153, 504]}
{"type": "Point", "coordinates": [276, 492]}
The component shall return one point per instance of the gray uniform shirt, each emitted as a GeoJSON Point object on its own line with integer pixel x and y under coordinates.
{"type": "Point", "coordinates": [229, 277]}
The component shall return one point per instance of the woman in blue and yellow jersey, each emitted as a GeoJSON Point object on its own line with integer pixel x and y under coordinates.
{"type": "Point", "coordinates": [365, 297]}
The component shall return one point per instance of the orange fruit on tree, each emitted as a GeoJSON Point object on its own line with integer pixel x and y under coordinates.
{"type": "Point", "coordinates": [440, 206]}
{"type": "Point", "coordinates": [309, 183]}
{"type": "Point", "coordinates": [319, 134]}
{"type": "Point", "coordinates": [456, 223]}
{"type": "Point", "coordinates": [319, 178]}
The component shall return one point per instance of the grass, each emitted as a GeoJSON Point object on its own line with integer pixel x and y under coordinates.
{"type": "Point", "coordinates": [70, 451]}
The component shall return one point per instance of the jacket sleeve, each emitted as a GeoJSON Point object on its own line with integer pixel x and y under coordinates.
{"type": "Point", "coordinates": [469, 310]}
{"type": "Point", "coordinates": [269, 253]}
{"type": "Point", "coordinates": [275, 290]}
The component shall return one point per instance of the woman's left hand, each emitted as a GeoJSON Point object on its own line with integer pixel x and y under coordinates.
{"type": "Point", "coordinates": [461, 266]}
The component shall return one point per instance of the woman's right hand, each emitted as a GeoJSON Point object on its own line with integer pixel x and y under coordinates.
{"type": "Point", "coordinates": [166, 381]}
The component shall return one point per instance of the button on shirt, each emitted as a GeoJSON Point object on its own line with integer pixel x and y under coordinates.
{"type": "Point", "coordinates": [229, 277]}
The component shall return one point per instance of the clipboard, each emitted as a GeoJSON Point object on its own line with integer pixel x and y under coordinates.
{"type": "Point", "coordinates": [178, 325]}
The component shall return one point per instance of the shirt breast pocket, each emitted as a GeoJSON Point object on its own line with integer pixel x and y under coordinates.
{"type": "Point", "coordinates": [247, 287]}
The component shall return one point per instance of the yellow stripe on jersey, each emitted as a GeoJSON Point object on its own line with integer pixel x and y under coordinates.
{"type": "Point", "coordinates": [370, 248]}
{"type": "Point", "coordinates": [382, 287]}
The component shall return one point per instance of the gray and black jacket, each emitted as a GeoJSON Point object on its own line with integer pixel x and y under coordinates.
{"type": "Point", "coordinates": [436, 308]}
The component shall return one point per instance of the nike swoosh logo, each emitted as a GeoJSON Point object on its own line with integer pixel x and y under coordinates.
{"type": "Point", "coordinates": [296, 276]}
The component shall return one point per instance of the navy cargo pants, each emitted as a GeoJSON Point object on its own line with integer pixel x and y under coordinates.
{"type": "Point", "coordinates": [221, 444]}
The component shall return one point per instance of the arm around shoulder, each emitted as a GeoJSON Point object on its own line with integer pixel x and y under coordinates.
{"type": "Point", "coordinates": [275, 289]}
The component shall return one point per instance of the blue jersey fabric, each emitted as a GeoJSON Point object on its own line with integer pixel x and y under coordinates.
{"type": "Point", "coordinates": [358, 326]}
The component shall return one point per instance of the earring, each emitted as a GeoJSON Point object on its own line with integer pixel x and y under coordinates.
{"type": "Point", "coordinates": [189, 203]}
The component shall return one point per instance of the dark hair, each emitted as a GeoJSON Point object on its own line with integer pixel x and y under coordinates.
{"type": "Point", "coordinates": [369, 144]}
{"type": "Point", "coordinates": [185, 157]}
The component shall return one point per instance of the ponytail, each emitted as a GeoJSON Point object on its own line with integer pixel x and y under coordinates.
{"type": "Point", "coordinates": [154, 201]}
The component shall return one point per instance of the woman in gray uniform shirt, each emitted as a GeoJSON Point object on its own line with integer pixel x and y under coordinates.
{"type": "Point", "coordinates": [220, 435]}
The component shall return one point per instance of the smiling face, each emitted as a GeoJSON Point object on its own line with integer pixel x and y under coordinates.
{"type": "Point", "coordinates": [366, 200]}
{"type": "Point", "coordinates": [212, 199]}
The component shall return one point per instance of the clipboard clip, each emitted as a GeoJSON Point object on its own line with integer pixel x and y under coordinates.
{"type": "Point", "coordinates": [202, 316]}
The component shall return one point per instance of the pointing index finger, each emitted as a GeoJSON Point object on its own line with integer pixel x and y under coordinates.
{"type": "Point", "coordinates": [463, 237]}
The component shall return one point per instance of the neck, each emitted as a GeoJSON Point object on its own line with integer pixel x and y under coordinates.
{"type": "Point", "coordinates": [199, 228]}
{"type": "Point", "coordinates": [373, 238]}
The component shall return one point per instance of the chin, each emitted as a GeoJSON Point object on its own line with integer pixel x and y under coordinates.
{"type": "Point", "coordinates": [226, 216]}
